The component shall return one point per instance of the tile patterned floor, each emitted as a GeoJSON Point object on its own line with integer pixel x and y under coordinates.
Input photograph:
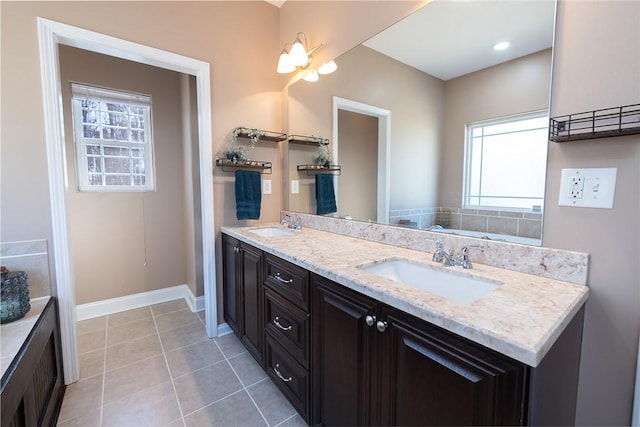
{"type": "Point", "coordinates": [155, 366]}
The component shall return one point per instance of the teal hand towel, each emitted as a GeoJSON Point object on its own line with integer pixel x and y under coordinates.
{"type": "Point", "coordinates": [325, 194]}
{"type": "Point", "coordinates": [248, 194]}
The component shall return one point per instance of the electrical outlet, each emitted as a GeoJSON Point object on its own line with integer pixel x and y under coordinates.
{"type": "Point", "coordinates": [295, 186]}
{"type": "Point", "coordinates": [266, 186]}
{"type": "Point", "coordinates": [588, 187]}
{"type": "Point", "coordinates": [577, 186]}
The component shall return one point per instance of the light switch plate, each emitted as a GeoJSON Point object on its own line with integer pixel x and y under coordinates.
{"type": "Point", "coordinates": [266, 186]}
{"type": "Point", "coordinates": [295, 186]}
{"type": "Point", "coordinates": [588, 187]}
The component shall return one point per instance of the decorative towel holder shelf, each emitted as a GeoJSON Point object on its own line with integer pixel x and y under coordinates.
{"type": "Point", "coordinates": [605, 123]}
{"type": "Point", "coordinates": [228, 165]}
{"type": "Point", "coordinates": [264, 135]}
{"type": "Point", "coordinates": [315, 169]}
{"type": "Point", "coordinates": [308, 140]}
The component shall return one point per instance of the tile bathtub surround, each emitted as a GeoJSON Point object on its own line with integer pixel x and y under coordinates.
{"type": "Point", "coordinates": [521, 318]}
{"type": "Point", "coordinates": [567, 266]}
{"type": "Point", "coordinates": [156, 366]}
{"type": "Point", "coordinates": [32, 257]}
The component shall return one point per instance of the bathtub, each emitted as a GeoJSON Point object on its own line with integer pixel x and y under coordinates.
{"type": "Point", "coordinates": [490, 236]}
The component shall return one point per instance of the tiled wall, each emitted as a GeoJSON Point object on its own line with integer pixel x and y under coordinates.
{"type": "Point", "coordinates": [522, 224]}
{"type": "Point", "coordinates": [31, 257]}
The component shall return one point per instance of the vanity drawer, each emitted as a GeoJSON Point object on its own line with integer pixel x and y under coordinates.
{"type": "Point", "coordinates": [289, 280]}
{"type": "Point", "coordinates": [288, 325]}
{"type": "Point", "coordinates": [289, 376]}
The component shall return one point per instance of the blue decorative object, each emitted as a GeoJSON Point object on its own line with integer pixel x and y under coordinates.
{"type": "Point", "coordinates": [325, 194]}
{"type": "Point", "coordinates": [14, 301]}
{"type": "Point", "coordinates": [248, 194]}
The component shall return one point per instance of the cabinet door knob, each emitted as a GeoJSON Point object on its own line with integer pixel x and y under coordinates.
{"type": "Point", "coordinates": [277, 371]}
{"type": "Point", "coordinates": [281, 280]}
{"type": "Point", "coordinates": [370, 320]}
{"type": "Point", "coordinates": [276, 321]}
{"type": "Point", "coordinates": [382, 326]}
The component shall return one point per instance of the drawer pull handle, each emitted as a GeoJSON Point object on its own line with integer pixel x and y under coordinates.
{"type": "Point", "coordinates": [371, 320]}
{"type": "Point", "coordinates": [382, 326]}
{"type": "Point", "coordinates": [276, 321]}
{"type": "Point", "coordinates": [275, 369]}
{"type": "Point", "coordinates": [281, 280]}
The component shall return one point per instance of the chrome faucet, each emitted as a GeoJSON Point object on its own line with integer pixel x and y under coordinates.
{"type": "Point", "coordinates": [291, 222]}
{"type": "Point", "coordinates": [450, 259]}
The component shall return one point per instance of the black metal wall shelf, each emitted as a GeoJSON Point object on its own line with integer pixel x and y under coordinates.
{"type": "Point", "coordinates": [308, 140]}
{"type": "Point", "coordinates": [229, 165]}
{"type": "Point", "coordinates": [265, 135]}
{"type": "Point", "coordinates": [605, 123]}
{"type": "Point", "coordinates": [315, 169]}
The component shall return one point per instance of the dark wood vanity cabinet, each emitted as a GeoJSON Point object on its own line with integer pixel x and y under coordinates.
{"type": "Point", "coordinates": [375, 365]}
{"type": "Point", "coordinates": [243, 276]}
{"type": "Point", "coordinates": [287, 329]}
{"type": "Point", "coordinates": [33, 384]}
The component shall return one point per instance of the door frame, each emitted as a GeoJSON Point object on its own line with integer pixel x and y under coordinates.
{"type": "Point", "coordinates": [50, 35]}
{"type": "Point", "coordinates": [384, 148]}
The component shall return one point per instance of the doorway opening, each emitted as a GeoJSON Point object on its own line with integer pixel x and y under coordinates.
{"type": "Point", "coordinates": [50, 35]}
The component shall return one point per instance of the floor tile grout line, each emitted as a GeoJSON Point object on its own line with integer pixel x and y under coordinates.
{"type": "Point", "coordinates": [166, 362]}
{"type": "Point", "coordinates": [286, 419]}
{"type": "Point", "coordinates": [215, 401]}
{"type": "Point", "coordinates": [245, 388]}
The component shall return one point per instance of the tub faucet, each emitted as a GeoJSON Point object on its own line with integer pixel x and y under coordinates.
{"type": "Point", "coordinates": [291, 222]}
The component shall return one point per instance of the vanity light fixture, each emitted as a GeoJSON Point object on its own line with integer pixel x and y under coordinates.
{"type": "Point", "coordinates": [501, 45]}
{"type": "Point", "coordinates": [299, 56]}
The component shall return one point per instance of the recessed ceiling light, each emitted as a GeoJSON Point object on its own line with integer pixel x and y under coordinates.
{"type": "Point", "coordinates": [501, 46]}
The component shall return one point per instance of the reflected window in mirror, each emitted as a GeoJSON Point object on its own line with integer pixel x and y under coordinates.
{"type": "Point", "coordinates": [506, 163]}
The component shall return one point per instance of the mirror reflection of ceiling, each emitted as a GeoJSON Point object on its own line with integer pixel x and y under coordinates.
{"type": "Point", "coordinates": [466, 32]}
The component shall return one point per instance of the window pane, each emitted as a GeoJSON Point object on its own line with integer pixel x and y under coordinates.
{"type": "Point", "coordinates": [93, 149]}
{"type": "Point", "coordinates": [507, 163]}
{"type": "Point", "coordinates": [117, 180]}
{"type": "Point", "coordinates": [117, 165]}
{"type": "Point", "coordinates": [138, 166]}
{"type": "Point", "coordinates": [122, 134]}
{"type": "Point", "coordinates": [91, 131]}
{"type": "Point", "coordinates": [139, 180]}
{"type": "Point", "coordinates": [137, 152]}
{"type": "Point", "coordinates": [95, 179]}
{"type": "Point", "coordinates": [116, 151]}
{"type": "Point", "coordinates": [94, 164]}
{"type": "Point", "coordinates": [137, 136]}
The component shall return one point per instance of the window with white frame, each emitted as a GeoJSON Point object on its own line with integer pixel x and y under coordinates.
{"type": "Point", "coordinates": [113, 141]}
{"type": "Point", "coordinates": [506, 162]}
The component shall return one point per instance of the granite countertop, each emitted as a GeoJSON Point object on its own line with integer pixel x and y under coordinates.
{"type": "Point", "coordinates": [522, 318]}
{"type": "Point", "coordinates": [14, 334]}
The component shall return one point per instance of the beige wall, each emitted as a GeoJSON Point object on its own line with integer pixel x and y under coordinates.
{"type": "Point", "coordinates": [369, 77]}
{"type": "Point", "coordinates": [597, 65]}
{"type": "Point", "coordinates": [515, 87]}
{"type": "Point", "coordinates": [358, 148]}
{"type": "Point", "coordinates": [113, 234]}
{"type": "Point", "coordinates": [238, 39]}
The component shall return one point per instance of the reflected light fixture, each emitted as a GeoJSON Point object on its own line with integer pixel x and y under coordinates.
{"type": "Point", "coordinates": [299, 56]}
{"type": "Point", "coordinates": [501, 45]}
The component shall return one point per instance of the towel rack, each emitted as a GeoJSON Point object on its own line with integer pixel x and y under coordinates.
{"type": "Point", "coordinates": [605, 123]}
{"type": "Point", "coordinates": [229, 165]}
{"type": "Point", "coordinates": [315, 169]}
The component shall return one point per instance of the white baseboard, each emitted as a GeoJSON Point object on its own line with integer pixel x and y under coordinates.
{"type": "Point", "coordinates": [143, 299]}
{"type": "Point", "coordinates": [224, 329]}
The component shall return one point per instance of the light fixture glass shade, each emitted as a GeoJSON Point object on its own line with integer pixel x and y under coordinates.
{"type": "Point", "coordinates": [501, 46]}
{"type": "Point", "coordinates": [298, 54]}
{"type": "Point", "coordinates": [312, 76]}
{"type": "Point", "coordinates": [327, 68]}
{"type": "Point", "coordinates": [285, 64]}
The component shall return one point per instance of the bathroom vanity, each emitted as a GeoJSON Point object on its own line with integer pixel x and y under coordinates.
{"type": "Point", "coordinates": [33, 383]}
{"type": "Point", "coordinates": [349, 347]}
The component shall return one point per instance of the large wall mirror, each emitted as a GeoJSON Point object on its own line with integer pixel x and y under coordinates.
{"type": "Point", "coordinates": [434, 128]}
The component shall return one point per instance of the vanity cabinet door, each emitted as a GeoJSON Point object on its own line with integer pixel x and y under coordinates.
{"type": "Point", "coordinates": [432, 377]}
{"type": "Point", "coordinates": [342, 354]}
{"type": "Point", "coordinates": [231, 302]}
{"type": "Point", "coordinates": [243, 294]}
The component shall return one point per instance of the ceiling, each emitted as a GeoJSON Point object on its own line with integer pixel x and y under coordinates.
{"type": "Point", "coordinates": [450, 38]}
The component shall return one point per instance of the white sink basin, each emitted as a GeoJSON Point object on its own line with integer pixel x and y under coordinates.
{"type": "Point", "coordinates": [272, 231]}
{"type": "Point", "coordinates": [442, 281]}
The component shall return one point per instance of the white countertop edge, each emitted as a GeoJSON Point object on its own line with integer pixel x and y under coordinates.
{"type": "Point", "coordinates": [530, 355]}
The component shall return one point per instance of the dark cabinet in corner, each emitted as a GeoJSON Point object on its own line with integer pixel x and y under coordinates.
{"type": "Point", "coordinates": [33, 384]}
{"type": "Point", "coordinates": [375, 365]}
{"type": "Point", "coordinates": [243, 295]}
